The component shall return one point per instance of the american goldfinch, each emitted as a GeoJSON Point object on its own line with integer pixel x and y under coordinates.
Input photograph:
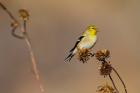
{"type": "Point", "coordinates": [86, 41]}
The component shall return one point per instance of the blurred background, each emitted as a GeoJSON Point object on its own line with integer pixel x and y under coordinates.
{"type": "Point", "coordinates": [54, 27]}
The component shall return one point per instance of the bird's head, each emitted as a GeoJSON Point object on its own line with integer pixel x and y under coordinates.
{"type": "Point", "coordinates": [92, 29]}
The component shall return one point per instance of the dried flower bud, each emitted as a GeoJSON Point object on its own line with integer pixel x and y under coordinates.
{"type": "Point", "coordinates": [101, 55]}
{"type": "Point", "coordinates": [84, 55]}
{"type": "Point", "coordinates": [24, 14]}
{"type": "Point", "coordinates": [106, 89]}
{"type": "Point", "coordinates": [14, 24]}
{"type": "Point", "coordinates": [105, 68]}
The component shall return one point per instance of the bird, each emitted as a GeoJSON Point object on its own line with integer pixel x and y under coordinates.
{"type": "Point", "coordinates": [86, 41]}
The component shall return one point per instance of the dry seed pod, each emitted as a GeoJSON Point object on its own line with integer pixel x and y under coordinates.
{"type": "Point", "coordinates": [105, 68]}
{"type": "Point", "coordinates": [14, 24]}
{"type": "Point", "coordinates": [84, 55]}
{"type": "Point", "coordinates": [106, 89]}
{"type": "Point", "coordinates": [101, 55]}
{"type": "Point", "coordinates": [24, 14]}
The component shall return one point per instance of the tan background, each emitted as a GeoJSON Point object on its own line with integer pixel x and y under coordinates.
{"type": "Point", "coordinates": [54, 27]}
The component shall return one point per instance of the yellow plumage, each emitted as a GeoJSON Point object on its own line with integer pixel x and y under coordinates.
{"type": "Point", "coordinates": [86, 41]}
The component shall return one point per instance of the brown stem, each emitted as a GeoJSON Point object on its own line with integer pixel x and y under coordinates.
{"type": "Point", "coordinates": [8, 12]}
{"type": "Point", "coordinates": [13, 32]}
{"type": "Point", "coordinates": [14, 19]}
{"type": "Point", "coordinates": [4, 8]}
{"type": "Point", "coordinates": [32, 57]}
{"type": "Point", "coordinates": [113, 83]}
{"type": "Point", "coordinates": [28, 43]}
{"type": "Point", "coordinates": [120, 79]}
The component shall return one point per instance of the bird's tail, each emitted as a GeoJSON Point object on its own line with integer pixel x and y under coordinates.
{"type": "Point", "coordinates": [69, 57]}
{"type": "Point", "coordinates": [72, 52]}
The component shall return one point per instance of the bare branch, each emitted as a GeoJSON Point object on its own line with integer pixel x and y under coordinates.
{"type": "Point", "coordinates": [8, 12]}
{"type": "Point", "coordinates": [26, 37]}
{"type": "Point", "coordinates": [120, 79]}
{"type": "Point", "coordinates": [113, 83]}
{"type": "Point", "coordinates": [25, 16]}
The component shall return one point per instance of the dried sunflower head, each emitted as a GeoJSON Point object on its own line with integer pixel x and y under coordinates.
{"type": "Point", "coordinates": [105, 89]}
{"type": "Point", "coordinates": [84, 55]}
{"type": "Point", "coordinates": [101, 55]}
{"type": "Point", "coordinates": [105, 68]}
{"type": "Point", "coordinates": [24, 14]}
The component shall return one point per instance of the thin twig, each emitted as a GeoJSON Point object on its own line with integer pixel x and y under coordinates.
{"type": "Point", "coordinates": [113, 83]}
{"type": "Point", "coordinates": [27, 39]}
{"type": "Point", "coordinates": [25, 36]}
{"type": "Point", "coordinates": [13, 32]}
{"type": "Point", "coordinates": [15, 22]}
{"type": "Point", "coordinates": [120, 79]}
{"type": "Point", "coordinates": [8, 12]}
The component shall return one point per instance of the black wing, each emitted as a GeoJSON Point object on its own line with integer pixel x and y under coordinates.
{"type": "Point", "coordinates": [79, 39]}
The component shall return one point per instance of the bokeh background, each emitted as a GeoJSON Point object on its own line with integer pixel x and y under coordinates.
{"type": "Point", "coordinates": [54, 27]}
